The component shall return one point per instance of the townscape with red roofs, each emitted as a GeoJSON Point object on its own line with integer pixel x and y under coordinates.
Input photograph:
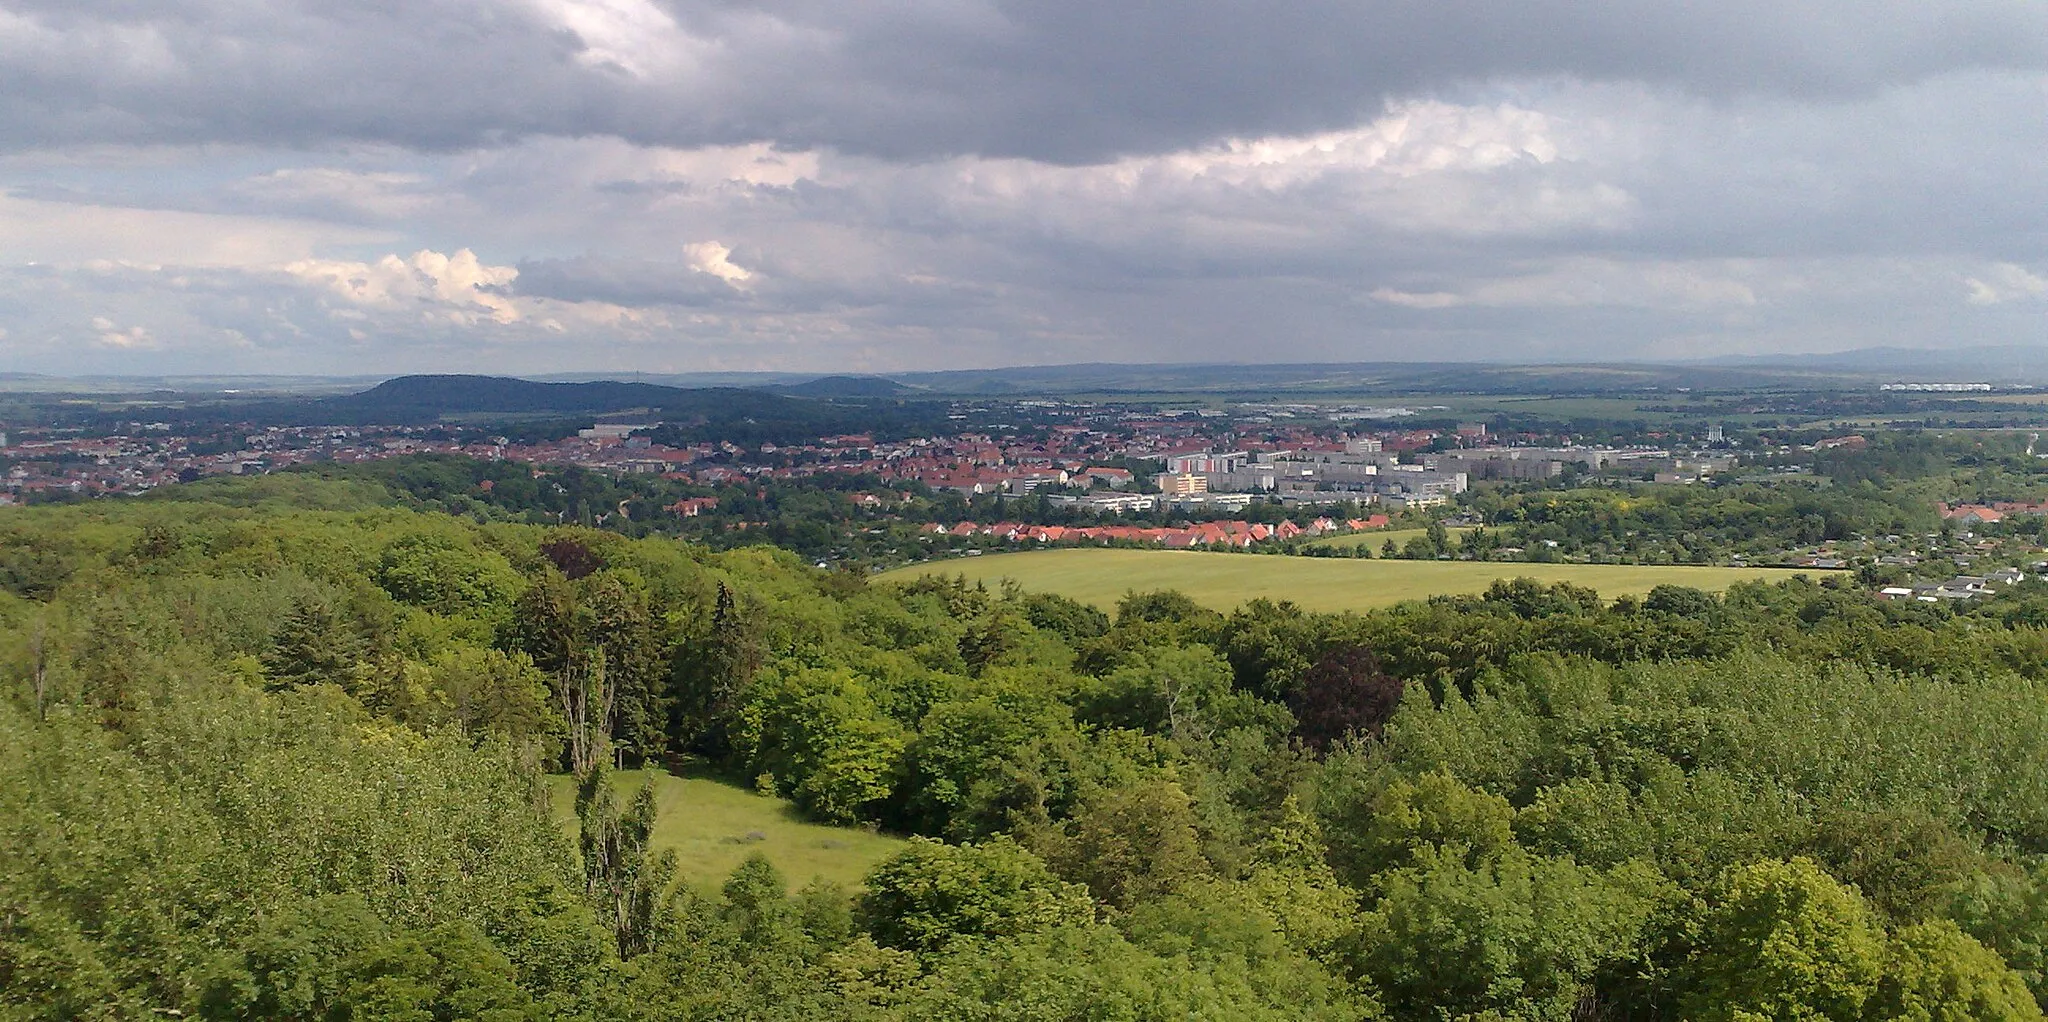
{"type": "Point", "coordinates": [1077, 475]}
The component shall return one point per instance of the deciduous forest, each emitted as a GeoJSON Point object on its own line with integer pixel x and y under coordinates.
{"type": "Point", "coordinates": [286, 757]}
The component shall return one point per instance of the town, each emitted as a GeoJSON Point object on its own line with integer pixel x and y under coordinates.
{"type": "Point", "coordinates": [1319, 481]}
{"type": "Point", "coordinates": [1112, 459]}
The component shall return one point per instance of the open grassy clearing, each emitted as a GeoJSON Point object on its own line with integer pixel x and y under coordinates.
{"type": "Point", "coordinates": [1374, 539]}
{"type": "Point", "coordinates": [713, 826]}
{"type": "Point", "coordinates": [1223, 581]}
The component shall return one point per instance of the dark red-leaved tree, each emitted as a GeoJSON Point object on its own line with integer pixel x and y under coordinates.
{"type": "Point", "coordinates": [572, 556]}
{"type": "Point", "coordinates": [1346, 692]}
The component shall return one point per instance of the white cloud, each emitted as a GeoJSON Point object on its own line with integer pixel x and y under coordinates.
{"type": "Point", "coordinates": [715, 259]}
{"type": "Point", "coordinates": [634, 37]}
{"type": "Point", "coordinates": [394, 297]}
{"type": "Point", "coordinates": [113, 336]}
{"type": "Point", "coordinates": [1417, 300]}
{"type": "Point", "coordinates": [1584, 283]}
{"type": "Point", "coordinates": [457, 288]}
{"type": "Point", "coordinates": [1413, 138]}
{"type": "Point", "coordinates": [1422, 166]}
{"type": "Point", "coordinates": [2005, 282]}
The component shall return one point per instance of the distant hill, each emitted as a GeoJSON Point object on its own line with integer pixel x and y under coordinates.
{"type": "Point", "coordinates": [1266, 381]}
{"type": "Point", "coordinates": [683, 380]}
{"type": "Point", "coordinates": [1998, 364]}
{"type": "Point", "coordinates": [414, 398]}
{"type": "Point", "coordinates": [744, 415]}
{"type": "Point", "coordinates": [847, 386]}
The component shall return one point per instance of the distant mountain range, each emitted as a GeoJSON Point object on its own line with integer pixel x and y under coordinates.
{"type": "Point", "coordinates": [2001, 364]}
{"type": "Point", "coordinates": [679, 392]}
{"type": "Point", "coordinates": [1847, 369]}
{"type": "Point", "coordinates": [739, 413]}
{"type": "Point", "coordinates": [413, 398]}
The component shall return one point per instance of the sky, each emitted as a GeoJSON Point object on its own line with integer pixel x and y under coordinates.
{"type": "Point", "coordinates": [355, 187]}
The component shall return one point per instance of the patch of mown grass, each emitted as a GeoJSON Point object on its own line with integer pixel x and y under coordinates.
{"type": "Point", "coordinates": [713, 825]}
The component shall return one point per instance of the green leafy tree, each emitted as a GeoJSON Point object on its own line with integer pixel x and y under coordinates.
{"type": "Point", "coordinates": [931, 893]}
{"type": "Point", "coordinates": [757, 903]}
{"type": "Point", "coordinates": [486, 691]}
{"type": "Point", "coordinates": [821, 736]}
{"type": "Point", "coordinates": [1164, 606]}
{"type": "Point", "coordinates": [1270, 644]}
{"type": "Point", "coordinates": [1905, 862]}
{"type": "Point", "coordinates": [624, 877]}
{"type": "Point", "coordinates": [2007, 909]}
{"type": "Point", "coordinates": [1682, 601]}
{"type": "Point", "coordinates": [332, 958]}
{"type": "Point", "coordinates": [1520, 936]}
{"type": "Point", "coordinates": [1783, 940]}
{"type": "Point", "coordinates": [1434, 815]}
{"type": "Point", "coordinates": [1131, 844]}
{"type": "Point", "coordinates": [1182, 692]}
{"type": "Point", "coordinates": [1438, 538]}
{"type": "Point", "coordinates": [439, 574]}
{"type": "Point", "coordinates": [1291, 879]}
{"type": "Point", "coordinates": [1937, 973]}
{"type": "Point", "coordinates": [1072, 620]}
{"type": "Point", "coordinates": [991, 763]}
{"type": "Point", "coordinates": [545, 623]}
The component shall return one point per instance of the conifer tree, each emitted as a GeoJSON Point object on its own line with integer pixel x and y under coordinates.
{"type": "Point", "coordinates": [712, 671]}
{"type": "Point", "coordinates": [313, 645]}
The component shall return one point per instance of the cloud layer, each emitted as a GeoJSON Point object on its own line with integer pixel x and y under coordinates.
{"type": "Point", "coordinates": [1070, 80]}
{"type": "Point", "coordinates": [657, 184]}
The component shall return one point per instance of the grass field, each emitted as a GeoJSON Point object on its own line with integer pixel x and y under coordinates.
{"type": "Point", "coordinates": [713, 826]}
{"type": "Point", "coordinates": [1101, 577]}
{"type": "Point", "coordinates": [1377, 538]}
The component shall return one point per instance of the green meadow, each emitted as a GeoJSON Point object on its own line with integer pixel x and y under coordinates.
{"type": "Point", "coordinates": [1374, 539]}
{"type": "Point", "coordinates": [712, 826]}
{"type": "Point", "coordinates": [1223, 581]}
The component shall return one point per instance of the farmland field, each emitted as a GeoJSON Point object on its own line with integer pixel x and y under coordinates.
{"type": "Point", "coordinates": [713, 826]}
{"type": "Point", "coordinates": [1376, 538]}
{"type": "Point", "coordinates": [1223, 581]}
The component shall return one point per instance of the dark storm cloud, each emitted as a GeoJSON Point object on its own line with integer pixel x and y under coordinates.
{"type": "Point", "coordinates": [1063, 80]}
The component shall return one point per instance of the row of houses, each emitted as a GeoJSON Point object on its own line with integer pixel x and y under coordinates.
{"type": "Point", "coordinates": [1961, 587]}
{"type": "Point", "coordinates": [1996, 511]}
{"type": "Point", "coordinates": [976, 480]}
{"type": "Point", "coordinates": [1200, 534]}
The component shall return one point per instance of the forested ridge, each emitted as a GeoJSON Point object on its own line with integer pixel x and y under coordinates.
{"type": "Point", "coordinates": [285, 760]}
